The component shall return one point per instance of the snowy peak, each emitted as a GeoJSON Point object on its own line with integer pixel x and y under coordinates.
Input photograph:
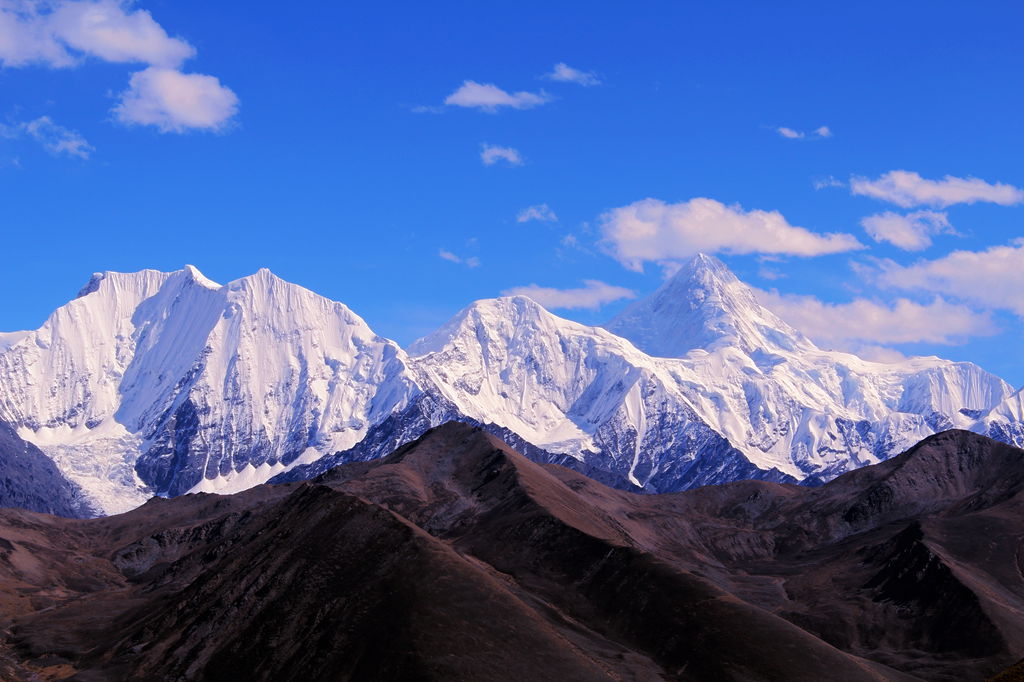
{"type": "Point", "coordinates": [491, 320]}
{"type": "Point", "coordinates": [169, 381]}
{"type": "Point", "coordinates": [704, 306]}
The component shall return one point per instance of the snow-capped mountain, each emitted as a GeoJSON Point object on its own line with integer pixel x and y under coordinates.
{"type": "Point", "coordinates": [578, 391]}
{"type": "Point", "coordinates": [704, 306]}
{"type": "Point", "coordinates": [786, 403]}
{"type": "Point", "coordinates": [165, 383]}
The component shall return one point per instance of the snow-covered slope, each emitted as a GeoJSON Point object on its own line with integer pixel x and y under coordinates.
{"type": "Point", "coordinates": [783, 401]}
{"type": "Point", "coordinates": [1005, 421]}
{"type": "Point", "coordinates": [575, 390]}
{"type": "Point", "coordinates": [165, 382]}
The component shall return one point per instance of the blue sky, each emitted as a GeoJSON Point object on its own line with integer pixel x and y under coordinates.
{"type": "Point", "coordinates": [318, 142]}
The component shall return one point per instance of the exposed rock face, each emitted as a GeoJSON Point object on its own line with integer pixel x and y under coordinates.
{"type": "Point", "coordinates": [30, 480]}
{"type": "Point", "coordinates": [457, 558]}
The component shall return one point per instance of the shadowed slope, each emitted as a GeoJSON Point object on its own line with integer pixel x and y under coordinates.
{"type": "Point", "coordinates": [457, 558]}
{"type": "Point", "coordinates": [30, 480]}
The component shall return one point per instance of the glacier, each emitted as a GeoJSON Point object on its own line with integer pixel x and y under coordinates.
{"type": "Point", "coordinates": [163, 383]}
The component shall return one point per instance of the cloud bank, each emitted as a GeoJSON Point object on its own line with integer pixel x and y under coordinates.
{"type": "Point", "coordinates": [652, 230]}
{"type": "Point", "coordinates": [908, 189]}
{"type": "Point", "coordinates": [843, 325]}
{"type": "Point", "coordinates": [993, 278]}
{"type": "Point", "coordinates": [65, 33]}
{"type": "Point", "coordinates": [911, 232]}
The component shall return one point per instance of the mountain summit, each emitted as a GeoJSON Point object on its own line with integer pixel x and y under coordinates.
{"type": "Point", "coordinates": [704, 306]}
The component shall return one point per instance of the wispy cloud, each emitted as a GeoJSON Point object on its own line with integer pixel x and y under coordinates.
{"type": "Point", "coordinates": [793, 134]}
{"type": "Point", "coordinates": [824, 183]}
{"type": "Point", "coordinates": [491, 154]}
{"type": "Point", "coordinates": [56, 139]}
{"type": "Point", "coordinates": [490, 98]}
{"type": "Point", "coordinates": [847, 325]}
{"type": "Point", "coordinates": [63, 33]}
{"type": "Point", "coordinates": [652, 230]}
{"type": "Point", "coordinates": [540, 212]}
{"type": "Point", "coordinates": [564, 73]}
{"type": "Point", "coordinates": [469, 262]}
{"type": "Point", "coordinates": [908, 189]}
{"type": "Point", "coordinates": [592, 295]}
{"type": "Point", "coordinates": [910, 232]}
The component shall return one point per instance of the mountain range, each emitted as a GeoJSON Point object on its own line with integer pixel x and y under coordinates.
{"type": "Point", "coordinates": [166, 383]}
{"type": "Point", "coordinates": [456, 558]}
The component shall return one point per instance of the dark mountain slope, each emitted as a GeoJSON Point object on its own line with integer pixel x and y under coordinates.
{"type": "Point", "coordinates": [457, 558]}
{"type": "Point", "coordinates": [30, 480]}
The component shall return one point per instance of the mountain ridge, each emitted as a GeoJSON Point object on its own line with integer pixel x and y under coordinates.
{"type": "Point", "coordinates": [166, 383]}
{"type": "Point", "coordinates": [489, 566]}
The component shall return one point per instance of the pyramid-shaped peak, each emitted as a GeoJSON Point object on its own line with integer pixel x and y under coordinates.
{"type": "Point", "coordinates": [704, 271]}
{"type": "Point", "coordinates": [703, 305]}
{"type": "Point", "coordinates": [704, 263]}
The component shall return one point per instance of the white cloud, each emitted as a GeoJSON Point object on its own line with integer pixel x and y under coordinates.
{"type": "Point", "coordinates": [907, 189]}
{"type": "Point", "coordinates": [843, 325]}
{"type": "Point", "coordinates": [910, 232]}
{"type": "Point", "coordinates": [470, 262]}
{"type": "Point", "coordinates": [490, 97]}
{"type": "Point", "coordinates": [491, 154]}
{"type": "Point", "coordinates": [57, 139]}
{"type": "Point", "coordinates": [175, 102]}
{"type": "Point", "coordinates": [62, 33]}
{"type": "Point", "coordinates": [793, 134]}
{"type": "Point", "coordinates": [651, 230]}
{"type": "Point", "coordinates": [564, 73]}
{"type": "Point", "coordinates": [592, 295]}
{"type": "Point", "coordinates": [541, 212]}
{"type": "Point", "coordinates": [993, 278]}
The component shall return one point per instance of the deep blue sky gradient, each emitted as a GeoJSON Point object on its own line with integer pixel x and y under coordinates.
{"type": "Point", "coordinates": [331, 180]}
